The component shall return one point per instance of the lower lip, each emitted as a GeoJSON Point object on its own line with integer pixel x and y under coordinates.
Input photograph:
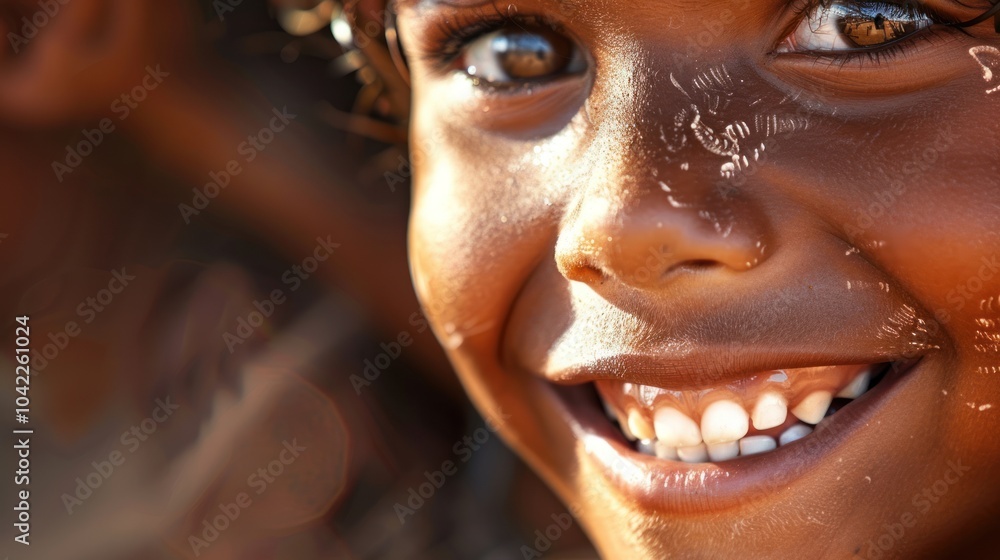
{"type": "Point", "coordinates": [672, 486]}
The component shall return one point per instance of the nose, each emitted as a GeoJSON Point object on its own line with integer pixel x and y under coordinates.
{"type": "Point", "coordinates": [655, 235]}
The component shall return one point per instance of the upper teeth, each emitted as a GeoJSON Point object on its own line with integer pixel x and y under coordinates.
{"type": "Point", "coordinates": [770, 411]}
{"type": "Point", "coordinates": [813, 408]}
{"type": "Point", "coordinates": [725, 423]}
{"type": "Point", "coordinates": [639, 426]}
{"type": "Point", "coordinates": [857, 387]}
{"type": "Point", "coordinates": [674, 428]}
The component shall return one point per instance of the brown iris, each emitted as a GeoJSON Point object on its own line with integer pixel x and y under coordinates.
{"type": "Point", "coordinates": [864, 30]}
{"type": "Point", "coordinates": [526, 53]}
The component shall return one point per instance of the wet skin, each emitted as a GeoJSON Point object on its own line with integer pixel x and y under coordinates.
{"type": "Point", "coordinates": [594, 224]}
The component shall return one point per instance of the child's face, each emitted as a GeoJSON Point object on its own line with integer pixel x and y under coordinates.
{"type": "Point", "coordinates": [716, 215]}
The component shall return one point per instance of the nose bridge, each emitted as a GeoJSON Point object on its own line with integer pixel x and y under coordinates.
{"type": "Point", "coordinates": [657, 201]}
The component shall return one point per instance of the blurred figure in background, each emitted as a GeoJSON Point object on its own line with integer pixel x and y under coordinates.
{"type": "Point", "coordinates": [204, 220]}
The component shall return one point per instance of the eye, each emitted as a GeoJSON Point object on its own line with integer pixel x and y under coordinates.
{"type": "Point", "coordinates": [851, 25]}
{"type": "Point", "coordinates": [518, 53]}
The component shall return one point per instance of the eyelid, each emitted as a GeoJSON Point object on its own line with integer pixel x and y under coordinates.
{"type": "Point", "coordinates": [877, 81]}
{"type": "Point", "coordinates": [450, 34]}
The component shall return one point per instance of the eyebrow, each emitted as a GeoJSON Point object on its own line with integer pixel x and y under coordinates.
{"type": "Point", "coordinates": [564, 4]}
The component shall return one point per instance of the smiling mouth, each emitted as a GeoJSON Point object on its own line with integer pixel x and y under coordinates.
{"type": "Point", "coordinates": [710, 448]}
{"type": "Point", "coordinates": [749, 417]}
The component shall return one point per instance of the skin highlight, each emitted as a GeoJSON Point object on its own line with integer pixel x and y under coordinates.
{"type": "Point", "coordinates": [561, 224]}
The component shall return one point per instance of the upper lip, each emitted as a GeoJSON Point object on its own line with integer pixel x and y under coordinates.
{"type": "Point", "coordinates": [724, 343]}
{"type": "Point", "coordinates": [703, 369]}
{"type": "Point", "coordinates": [717, 330]}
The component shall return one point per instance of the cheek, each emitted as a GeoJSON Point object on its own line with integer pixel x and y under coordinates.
{"type": "Point", "coordinates": [937, 235]}
{"type": "Point", "coordinates": [476, 233]}
{"type": "Point", "coordinates": [486, 207]}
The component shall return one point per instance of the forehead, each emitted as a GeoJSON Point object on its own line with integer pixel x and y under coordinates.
{"type": "Point", "coordinates": [655, 20]}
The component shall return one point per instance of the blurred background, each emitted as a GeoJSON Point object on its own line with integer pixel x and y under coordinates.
{"type": "Point", "coordinates": [203, 224]}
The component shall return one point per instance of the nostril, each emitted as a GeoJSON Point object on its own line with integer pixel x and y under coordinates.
{"type": "Point", "coordinates": [694, 265]}
{"type": "Point", "coordinates": [581, 272]}
{"type": "Point", "coordinates": [701, 263]}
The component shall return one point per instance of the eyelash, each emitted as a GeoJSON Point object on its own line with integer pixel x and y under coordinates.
{"type": "Point", "coordinates": [458, 31]}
